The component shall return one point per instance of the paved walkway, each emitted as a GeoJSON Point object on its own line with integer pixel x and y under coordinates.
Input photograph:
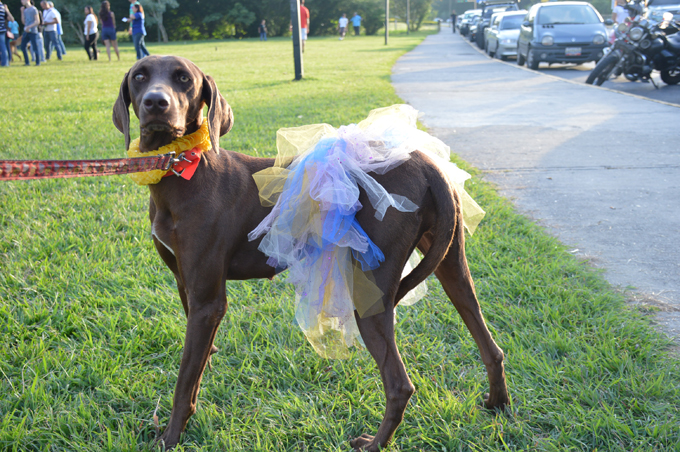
{"type": "Point", "coordinates": [599, 169]}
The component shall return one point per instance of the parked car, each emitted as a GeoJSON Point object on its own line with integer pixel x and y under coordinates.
{"type": "Point", "coordinates": [472, 32]}
{"type": "Point", "coordinates": [656, 8]}
{"type": "Point", "coordinates": [501, 36]}
{"type": "Point", "coordinates": [489, 8]}
{"type": "Point", "coordinates": [655, 15]}
{"type": "Point", "coordinates": [467, 18]}
{"type": "Point", "coordinates": [561, 32]}
{"type": "Point", "coordinates": [459, 19]}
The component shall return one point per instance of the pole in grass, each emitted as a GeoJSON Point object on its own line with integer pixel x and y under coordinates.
{"type": "Point", "coordinates": [297, 44]}
{"type": "Point", "coordinates": [387, 21]}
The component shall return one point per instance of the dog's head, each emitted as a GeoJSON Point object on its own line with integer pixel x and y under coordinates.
{"type": "Point", "coordinates": [168, 94]}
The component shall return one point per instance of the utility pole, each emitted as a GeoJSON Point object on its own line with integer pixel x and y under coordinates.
{"type": "Point", "coordinates": [408, 16]}
{"type": "Point", "coordinates": [387, 21]}
{"type": "Point", "coordinates": [297, 47]}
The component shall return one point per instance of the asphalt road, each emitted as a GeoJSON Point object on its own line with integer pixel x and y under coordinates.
{"type": "Point", "coordinates": [597, 168]}
{"type": "Point", "coordinates": [664, 93]}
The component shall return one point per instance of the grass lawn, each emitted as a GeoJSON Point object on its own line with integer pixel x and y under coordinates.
{"type": "Point", "coordinates": [91, 326]}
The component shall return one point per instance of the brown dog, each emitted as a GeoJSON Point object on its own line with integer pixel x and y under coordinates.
{"type": "Point", "coordinates": [221, 202]}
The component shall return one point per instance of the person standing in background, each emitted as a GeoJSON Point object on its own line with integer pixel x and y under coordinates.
{"type": "Point", "coordinates": [619, 13]}
{"type": "Point", "coordinates": [5, 18]}
{"type": "Point", "coordinates": [356, 23]}
{"type": "Point", "coordinates": [262, 29]}
{"type": "Point", "coordinates": [133, 3]}
{"type": "Point", "coordinates": [13, 27]}
{"type": "Point", "coordinates": [342, 26]}
{"type": "Point", "coordinates": [50, 21]}
{"type": "Point", "coordinates": [108, 28]}
{"type": "Point", "coordinates": [91, 33]}
{"type": "Point", "coordinates": [304, 23]}
{"type": "Point", "coordinates": [60, 31]}
{"type": "Point", "coordinates": [453, 21]}
{"type": "Point", "coordinates": [138, 31]}
{"type": "Point", "coordinates": [31, 20]}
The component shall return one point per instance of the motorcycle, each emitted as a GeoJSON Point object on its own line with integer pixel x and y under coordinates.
{"type": "Point", "coordinates": [640, 48]}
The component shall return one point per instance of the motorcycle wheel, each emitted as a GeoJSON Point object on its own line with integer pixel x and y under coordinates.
{"type": "Point", "coordinates": [671, 77]}
{"type": "Point", "coordinates": [601, 71]}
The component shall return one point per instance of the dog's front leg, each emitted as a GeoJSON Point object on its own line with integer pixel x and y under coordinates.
{"type": "Point", "coordinates": [207, 305]}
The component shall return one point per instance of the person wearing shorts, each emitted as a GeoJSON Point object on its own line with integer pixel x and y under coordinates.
{"type": "Point", "coordinates": [342, 26]}
{"type": "Point", "coordinates": [108, 28]}
{"type": "Point", "coordinates": [304, 23]}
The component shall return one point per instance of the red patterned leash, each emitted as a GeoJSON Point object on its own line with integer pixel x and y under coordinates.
{"type": "Point", "coordinates": [47, 169]}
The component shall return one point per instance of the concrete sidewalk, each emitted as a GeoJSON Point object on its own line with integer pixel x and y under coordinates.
{"type": "Point", "coordinates": [599, 169]}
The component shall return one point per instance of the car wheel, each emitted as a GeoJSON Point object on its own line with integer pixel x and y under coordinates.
{"type": "Point", "coordinates": [520, 58]}
{"type": "Point", "coordinates": [532, 61]}
{"type": "Point", "coordinates": [671, 77]}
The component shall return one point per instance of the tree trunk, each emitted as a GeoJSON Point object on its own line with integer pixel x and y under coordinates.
{"type": "Point", "coordinates": [78, 31]}
{"type": "Point", "coordinates": [164, 34]}
{"type": "Point", "coordinates": [76, 28]}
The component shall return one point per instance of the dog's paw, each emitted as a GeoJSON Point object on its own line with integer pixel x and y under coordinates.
{"type": "Point", "coordinates": [365, 442]}
{"type": "Point", "coordinates": [165, 441]}
{"type": "Point", "coordinates": [498, 401]}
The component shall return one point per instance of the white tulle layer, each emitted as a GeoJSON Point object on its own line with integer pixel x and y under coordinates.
{"type": "Point", "coordinates": [312, 230]}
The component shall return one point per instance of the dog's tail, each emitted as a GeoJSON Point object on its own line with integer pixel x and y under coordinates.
{"type": "Point", "coordinates": [447, 204]}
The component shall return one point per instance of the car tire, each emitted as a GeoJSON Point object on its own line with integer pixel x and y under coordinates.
{"type": "Point", "coordinates": [532, 62]}
{"type": "Point", "coordinates": [502, 57]}
{"type": "Point", "coordinates": [520, 58]}
{"type": "Point", "coordinates": [671, 77]}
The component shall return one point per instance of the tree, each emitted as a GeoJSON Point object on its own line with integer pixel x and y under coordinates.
{"type": "Point", "coordinates": [155, 10]}
{"type": "Point", "coordinates": [420, 9]}
{"type": "Point", "coordinates": [72, 15]}
{"type": "Point", "coordinates": [240, 17]}
{"type": "Point", "coordinates": [372, 13]}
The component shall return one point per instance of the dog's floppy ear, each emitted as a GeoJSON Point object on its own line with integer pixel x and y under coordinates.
{"type": "Point", "coordinates": [121, 110]}
{"type": "Point", "coordinates": [220, 116]}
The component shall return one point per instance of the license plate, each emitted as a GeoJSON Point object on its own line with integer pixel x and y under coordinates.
{"type": "Point", "coordinates": [572, 51]}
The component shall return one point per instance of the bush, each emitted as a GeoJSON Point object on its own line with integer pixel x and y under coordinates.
{"type": "Point", "coordinates": [123, 36]}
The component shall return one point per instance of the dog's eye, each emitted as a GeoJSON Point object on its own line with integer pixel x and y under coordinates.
{"type": "Point", "coordinates": [183, 78]}
{"type": "Point", "coordinates": [139, 77]}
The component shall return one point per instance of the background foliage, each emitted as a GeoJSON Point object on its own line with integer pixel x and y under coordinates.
{"type": "Point", "coordinates": [221, 19]}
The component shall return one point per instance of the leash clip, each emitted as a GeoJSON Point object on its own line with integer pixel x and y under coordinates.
{"type": "Point", "coordinates": [171, 161]}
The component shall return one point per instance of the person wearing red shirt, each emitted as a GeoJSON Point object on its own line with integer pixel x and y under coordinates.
{"type": "Point", "coordinates": [304, 22]}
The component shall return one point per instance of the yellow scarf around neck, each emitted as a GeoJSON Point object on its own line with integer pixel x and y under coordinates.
{"type": "Point", "coordinates": [199, 139]}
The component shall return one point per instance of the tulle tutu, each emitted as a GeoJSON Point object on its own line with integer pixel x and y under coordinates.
{"type": "Point", "coordinates": [312, 230]}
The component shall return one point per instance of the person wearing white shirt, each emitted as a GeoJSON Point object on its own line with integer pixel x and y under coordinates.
{"type": "Point", "coordinates": [90, 32]}
{"type": "Point", "coordinates": [50, 21]}
{"type": "Point", "coordinates": [342, 26]}
{"type": "Point", "coordinates": [619, 13]}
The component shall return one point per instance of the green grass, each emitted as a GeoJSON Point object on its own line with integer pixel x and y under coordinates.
{"type": "Point", "coordinates": [91, 327]}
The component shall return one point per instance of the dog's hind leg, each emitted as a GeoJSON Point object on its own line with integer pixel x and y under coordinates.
{"type": "Point", "coordinates": [454, 275]}
{"type": "Point", "coordinates": [377, 331]}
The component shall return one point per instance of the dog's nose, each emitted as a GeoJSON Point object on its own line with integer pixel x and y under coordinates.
{"type": "Point", "coordinates": [156, 102]}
